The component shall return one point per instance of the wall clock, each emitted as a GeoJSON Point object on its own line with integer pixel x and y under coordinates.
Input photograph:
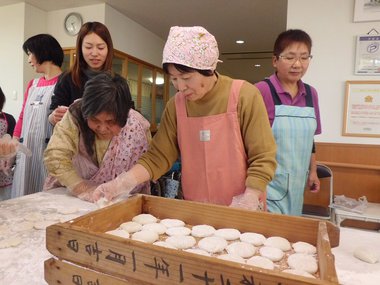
{"type": "Point", "coordinates": [73, 23]}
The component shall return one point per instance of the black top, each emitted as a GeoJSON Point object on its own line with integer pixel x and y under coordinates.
{"type": "Point", "coordinates": [11, 123]}
{"type": "Point", "coordinates": [65, 92]}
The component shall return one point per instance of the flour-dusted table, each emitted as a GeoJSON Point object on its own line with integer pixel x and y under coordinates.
{"type": "Point", "coordinates": [24, 264]}
{"type": "Point", "coordinates": [350, 270]}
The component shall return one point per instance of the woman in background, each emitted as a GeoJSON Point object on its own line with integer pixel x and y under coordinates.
{"type": "Point", "coordinates": [45, 56]}
{"type": "Point", "coordinates": [98, 138]}
{"type": "Point", "coordinates": [94, 53]}
{"type": "Point", "coordinates": [293, 111]}
{"type": "Point", "coordinates": [7, 125]}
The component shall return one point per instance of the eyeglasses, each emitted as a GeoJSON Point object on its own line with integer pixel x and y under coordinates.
{"type": "Point", "coordinates": [291, 59]}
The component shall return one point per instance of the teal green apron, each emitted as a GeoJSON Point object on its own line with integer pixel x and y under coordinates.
{"type": "Point", "coordinates": [293, 129]}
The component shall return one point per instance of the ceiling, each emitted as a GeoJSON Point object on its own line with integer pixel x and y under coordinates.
{"type": "Point", "coordinates": [257, 22]}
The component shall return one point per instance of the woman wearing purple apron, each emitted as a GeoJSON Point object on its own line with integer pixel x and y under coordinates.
{"type": "Point", "coordinates": [293, 112]}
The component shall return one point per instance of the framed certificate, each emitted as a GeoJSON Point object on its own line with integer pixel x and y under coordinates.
{"type": "Point", "coordinates": [362, 109]}
{"type": "Point", "coordinates": [367, 60]}
{"type": "Point", "coordinates": [366, 11]}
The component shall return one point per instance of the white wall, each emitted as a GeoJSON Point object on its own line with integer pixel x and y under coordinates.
{"type": "Point", "coordinates": [55, 20]}
{"type": "Point", "coordinates": [132, 38]}
{"type": "Point", "coordinates": [11, 55]}
{"type": "Point", "coordinates": [127, 35]}
{"type": "Point", "coordinates": [20, 21]}
{"type": "Point", "coordinates": [330, 24]}
{"type": "Point", "coordinates": [35, 23]}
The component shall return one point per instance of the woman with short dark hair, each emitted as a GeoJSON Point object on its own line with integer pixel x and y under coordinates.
{"type": "Point", "coordinates": [45, 56]}
{"type": "Point", "coordinates": [293, 112]}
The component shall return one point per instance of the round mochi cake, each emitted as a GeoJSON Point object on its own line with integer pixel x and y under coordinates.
{"type": "Point", "coordinates": [145, 236]}
{"type": "Point", "coordinates": [119, 233]}
{"type": "Point", "coordinates": [231, 257]}
{"type": "Point", "coordinates": [273, 253]}
{"type": "Point", "coordinates": [242, 249]}
{"type": "Point", "coordinates": [144, 219]}
{"type": "Point", "coordinates": [155, 227]}
{"type": "Point", "coordinates": [131, 227]}
{"type": "Point", "coordinates": [227, 234]}
{"type": "Point", "coordinates": [261, 261]}
{"type": "Point", "coordinates": [278, 242]}
{"type": "Point", "coordinates": [304, 247]}
{"type": "Point", "coordinates": [202, 231]}
{"type": "Point", "coordinates": [164, 244]}
{"type": "Point", "coordinates": [181, 242]}
{"type": "Point", "coordinates": [303, 262]}
{"type": "Point", "coordinates": [212, 244]}
{"type": "Point", "coordinates": [253, 238]}
{"type": "Point", "coordinates": [178, 231]}
{"type": "Point", "coordinates": [171, 223]}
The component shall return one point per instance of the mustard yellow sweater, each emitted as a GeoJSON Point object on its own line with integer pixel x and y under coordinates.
{"type": "Point", "coordinates": [254, 126]}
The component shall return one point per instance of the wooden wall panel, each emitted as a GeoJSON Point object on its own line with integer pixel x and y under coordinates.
{"type": "Point", "coordinates": [321, 198]}
{"type": "Point", "coordinates": [368, 155]}
{"type": "Point", "coordinates": [356, 168]}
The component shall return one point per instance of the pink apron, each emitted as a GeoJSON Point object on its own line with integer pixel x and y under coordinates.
{"type": "Point", "coordinates": [214, 162]}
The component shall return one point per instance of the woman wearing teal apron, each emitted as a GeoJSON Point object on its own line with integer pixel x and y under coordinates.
{"type": "Point", "coordinates": [293, 112]}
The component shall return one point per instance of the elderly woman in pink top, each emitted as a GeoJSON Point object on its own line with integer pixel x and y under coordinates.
{"type": "Point", "coordinates": [217, 125]}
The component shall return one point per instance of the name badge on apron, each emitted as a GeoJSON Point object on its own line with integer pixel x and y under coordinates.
{"type": "Point", "coordinates": [204, 135]}
{"type": "Point", "coordinates": [37, 102]}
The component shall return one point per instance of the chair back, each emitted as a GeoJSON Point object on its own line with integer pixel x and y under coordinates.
{"type": "Point", "coordinates": [317, 205]}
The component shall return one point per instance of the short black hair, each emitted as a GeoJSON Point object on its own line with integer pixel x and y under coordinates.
{"type": "Point", "coordinates": [288, 37]}
{"type": "Point", "coordinates": [45, 48]}
{"type": "Point", "coordinates": [2, 99]}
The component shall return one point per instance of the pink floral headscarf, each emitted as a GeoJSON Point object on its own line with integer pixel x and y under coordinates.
{"type": "Point", "coordinates": [193, 47]}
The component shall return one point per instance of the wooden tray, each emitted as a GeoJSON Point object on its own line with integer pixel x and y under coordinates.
{"type": "Point", "coordinates": [98, 257]}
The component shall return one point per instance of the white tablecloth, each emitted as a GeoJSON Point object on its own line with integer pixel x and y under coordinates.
{"type": "Point", "coordinates": [23, 265]}
{"type": "Point", "coordinates": [350, 270]}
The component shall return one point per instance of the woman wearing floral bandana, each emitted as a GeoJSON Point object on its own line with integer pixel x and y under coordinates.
{"type": "Point", "coordinates": [217, 125]}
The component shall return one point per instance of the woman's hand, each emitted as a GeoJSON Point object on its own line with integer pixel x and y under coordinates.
{"type": "Point", "coordinates": [249, 200]}
{"type": "Point", "coordinates": [122, 184]}
{"type": "Point", "coordinates": [84, 190]}
{"type": "Point", "coordinates": [313, 182]}
{"type": "Point", "coordinates": [8, 151]}
{"type": "Point", "coordinates": [57, 114]}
